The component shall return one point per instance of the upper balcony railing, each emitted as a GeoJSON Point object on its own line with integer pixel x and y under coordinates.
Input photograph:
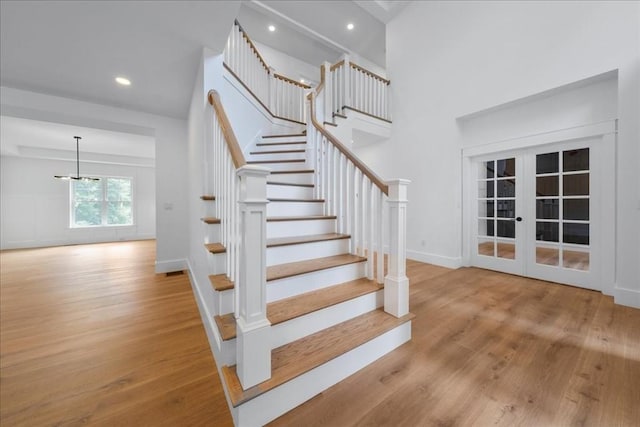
{"type": "Point", "coordinates": [283, 97]}
{"type": "Point", "coordinates": [350, 86]}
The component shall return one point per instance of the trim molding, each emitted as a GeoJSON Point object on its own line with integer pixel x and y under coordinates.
{"type": "Point", "coordinates": [552, 137]}
{"type": "Point", "coordinates": [171, 265]}
{"type": "Point", "coordinates": [627, 297]}
{"type": "Point", "coordinates": [441, 260]}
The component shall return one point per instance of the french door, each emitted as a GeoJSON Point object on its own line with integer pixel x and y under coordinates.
{"type": "Point", "coordinates": [536, 213]}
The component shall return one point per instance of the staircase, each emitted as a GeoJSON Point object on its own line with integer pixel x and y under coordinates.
{"type": "Point", "coordinates": [305, 248]}
{"type": "Point", "coordinates": [326, 317]}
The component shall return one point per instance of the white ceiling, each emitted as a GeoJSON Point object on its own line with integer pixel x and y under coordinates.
{"type": "Point", "coordinates": [22, 136]}
{"type": "Point", "coordinates": [316, 31]}
{"type": "Point", "coordinates": [75, 49]}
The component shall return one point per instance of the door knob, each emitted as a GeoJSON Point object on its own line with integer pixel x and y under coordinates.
{"type": "Point", "coordinates": [519, 219]}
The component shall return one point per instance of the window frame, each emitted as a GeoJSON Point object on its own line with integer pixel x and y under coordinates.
{"type": "Point", "coordinates": [103, 204]}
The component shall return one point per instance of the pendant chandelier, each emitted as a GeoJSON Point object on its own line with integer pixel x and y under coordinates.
{"type": "Point", "coordinates": [77, 177]}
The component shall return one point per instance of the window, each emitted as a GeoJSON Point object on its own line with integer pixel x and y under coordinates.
{"type": "Point", "coordinates": [106, 202]}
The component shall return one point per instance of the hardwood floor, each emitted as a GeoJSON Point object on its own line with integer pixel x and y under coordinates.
{"type": "Point", "coordinates": [494, 349]}
{"type": "Point", "coordinates": [90, 335]}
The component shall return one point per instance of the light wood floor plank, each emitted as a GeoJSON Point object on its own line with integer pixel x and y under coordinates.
{"type": "Point", "coordinates": [90, 334]}
{"type": "Point", "coordinates": [495, 349]}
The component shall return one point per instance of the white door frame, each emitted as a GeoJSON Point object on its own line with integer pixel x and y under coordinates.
{"type": "Point", "coordinates": [605, 164]}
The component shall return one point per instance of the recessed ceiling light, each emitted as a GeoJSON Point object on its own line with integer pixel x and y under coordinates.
{"type": "Point", "coordinates": [350, 26]}
{"type": "Point", "coordinates": [301, 80]}
{"type": "Point", "coordinates": [123, 81]}
{"type": "Point", "coordinates": [272, 28]}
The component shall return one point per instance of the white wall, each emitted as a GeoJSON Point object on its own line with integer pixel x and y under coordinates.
{"type": "Point", "coordinates": [36, 208]}
{"type": "Point", "coordinates": [448, 60]}
{"type": "Point", "coordinates": [289, 66]}
{"type": "Point", "coordinates": [171, 157]}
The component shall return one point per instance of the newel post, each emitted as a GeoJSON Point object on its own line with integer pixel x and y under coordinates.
{"type": "Point", "coordinates": [396, 283]}
{"type": "Point", "coordinates": [253, 328]}
{"type": "Point", "coordinates": [327, 93]}
{"type": "Point", "coordinates": [272, 93]}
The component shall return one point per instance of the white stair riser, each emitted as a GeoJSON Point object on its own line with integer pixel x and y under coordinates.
{"type": "Point", "coordinates": [289, 191]}
{"type": "Point", "coordinates": [216, 262]}
{"type": "Point", "coordinates": [294, 329]}
{"type": "Point", "coordinates": [282, 166]}
{"type": "Point", "coordinates": [300, 252]}
{"type": "Point", "coordinates": [277, 156]}
{"type": "Point", "coordinates": [293, 178]}
{"type": "Point", "coordinates": [275, 139]}
{"type": "Point", "coordinates": [212, 232]}
{"type": "Point", "coordinates": [302, 283]}
{"type": "Point", "coordinates": [300, 228]}
{"type": "Point", "coordinates": [272, 147]}
{"type": "Point", "coordinates": [269, 406]}
{"type": "Point", "coordinates": [294, 208]}
{"type": "Point", "coordinates": [300, 327]}
{"type": "Point", "coordinates": [225, 301]}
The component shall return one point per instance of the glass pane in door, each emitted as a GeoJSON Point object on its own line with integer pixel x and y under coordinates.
{"type": "Point", "coordinates": [562, 209]}
{"type": "Point", "coordinates": [496, 185]}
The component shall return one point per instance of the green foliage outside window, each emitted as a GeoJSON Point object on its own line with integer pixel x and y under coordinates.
{"type": "Point", "coordinates": [108, 201]}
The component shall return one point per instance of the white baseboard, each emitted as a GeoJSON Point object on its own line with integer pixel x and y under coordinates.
{"type": "Point", "coordinates": [627, 297]}
{"type": "Point", "coordinates": [215, 340]}
{"type": "Point", "coordinates": [171, 265]}
{"type": "Point", "coordinates": [443, 261]}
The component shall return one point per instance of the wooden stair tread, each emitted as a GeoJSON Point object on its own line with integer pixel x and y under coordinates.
{"type": "Point", "coordinates": [299, 218]}
{"type": "Point", "coordinates": [221, 282]}
{"type": "Point", "coordinates": [215, 248]}
{"type": "Point", "coordinates": [290, 184]}
{"type": "Point", "coordinates": [278, 152]}
{"type": "Point", "coordinates": [208, 197]}
{"type": "Point", "coordinates": [303, 355]}
{"type": "Point", "coordinates": [285, 135]}
{"type": "Point", "coordinates": [299, 305]}
{"type": "Point", "coordinates": [211, 220]}
{"type": "Point", "coordinates": [259, 162]}
{"type": "Point", "coordinates": [292, 171]}
{"type": "Point", "coordinates": [273, 144]}
{"type": "Point", "coordinates": [275, 199]}
{"type": "Point", "coordinates": [226, 326]}
{"type": "Point", "coordinates": [286, 241]}
{"type": "Point", "coordinates": [290, 269]}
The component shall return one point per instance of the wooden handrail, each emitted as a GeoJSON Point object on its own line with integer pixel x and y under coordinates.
{"type": "Point", "coordinates": [321, 85]}
{"type": "Point", "coordinates": [252, 46]}
{"type": "Point", "coordinates": [344, 150]}
{"type": "Point", "coordinates": [288, 80]}
{"type": "Point", "coordinates": [369, 73]}
{"type": "Point", "coordinates": [336, 65]}
{"type": "Point", "coordinates": [227, 130]}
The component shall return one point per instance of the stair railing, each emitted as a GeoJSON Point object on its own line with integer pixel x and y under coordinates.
{"type": "Point", "coordinates": [361, 201]}
{"type": "Point", "coordinates": [241, 206]}
{"type": "Point", "coordinates": [350, 86]}
{"type": "Point", "coordinates": [283, 97]}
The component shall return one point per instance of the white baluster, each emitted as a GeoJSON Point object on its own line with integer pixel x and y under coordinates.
{"type": "Point", "coordinates": [354, 209]}
{"type": "Point", "coordinates": [370, 231]}
{"type": "Point", "coordinates": [396, 284]}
